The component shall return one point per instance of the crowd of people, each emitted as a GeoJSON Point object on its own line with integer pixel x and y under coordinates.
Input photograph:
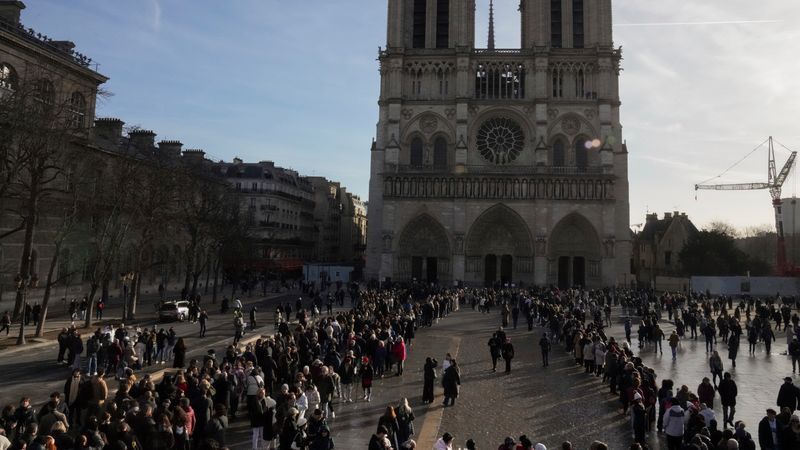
{"type": "Point", "coordinates": [284, 385]}
{"type": "Point", "coordinates": [685, 417]}
{"type": "Point", "coordinates": [289, 385]}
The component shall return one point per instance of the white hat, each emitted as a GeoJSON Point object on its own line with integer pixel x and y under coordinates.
{"type": "Point", "coordinates": [539, 447]}
{"type": "Point", "coordinates": [637, 396]}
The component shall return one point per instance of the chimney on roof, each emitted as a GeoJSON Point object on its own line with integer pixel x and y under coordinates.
{"type": "Point", "coordinates": [143, 139]}
{"type": "Point", "coordinates": [171, 149]}
{"type": "Point", "coordinates": [108, 131]}
{"type": "Point", "coordinates": [194, 156]}
{"type": "Point", "coordinates": [651, 218]}
{"type": "Point", "coordinates": [676, 214]}
{"type": "Point", "coordinates": [667, 215]}
{"type": "Point", "coordinates": [237, 161]}
{"type": "Point", "coordinates": [10, 10]}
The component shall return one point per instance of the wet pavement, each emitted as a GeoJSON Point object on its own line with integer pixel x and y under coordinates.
{"type": "Point", "coordinates": [549, 405]}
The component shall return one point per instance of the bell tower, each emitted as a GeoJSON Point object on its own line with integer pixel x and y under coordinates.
{"type": "Point", "coordinates": [431, 24]}
{"type": "Point", "coordinates": [566, 23]}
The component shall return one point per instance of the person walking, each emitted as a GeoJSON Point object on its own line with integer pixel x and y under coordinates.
{"type": "Point", "coordinates": [429, 376]}
{"type": "Point", "coordinates": [715, 363]}
{"type": "Point", "coordinates": [794, 352]}
{"type": "Point", "coordinates": [733, 348]}
{"type": "Point", "coordinates": [507, 351]}
{"type": "Point", "coordinates": [451, 382]}
{"type": "Point", "coordinates": [494, 350]}
{"type": "Point", "coordinates": [405, 422]}
{"type": "Point", "coordinates": [5, 323]}
{"type": "Point", "coordinates": [399, 355]}
{"type": "Point", "coordinates": [203, 319]}
{"type": "Point", "coordinates": [179, 353]}
{"type": "Point", "coordinates": [673, 344]}
{"type": "Point", "coordinates": [727, 394]}
{"type": "Point", "coordinates": [367, 374]}
{"type": "Point", "coordinates": [788, 395]}
{"type": "Point", "coordinates": [544, 344]}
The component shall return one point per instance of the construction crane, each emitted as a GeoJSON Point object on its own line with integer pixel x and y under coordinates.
{"type": "Point", "coordinates": [774, 184]}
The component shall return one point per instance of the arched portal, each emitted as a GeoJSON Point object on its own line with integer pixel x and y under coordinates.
{"type": "Point", "coordinates": [574, 253]}
{"type": "Point", "coordinates": [499, 248]}
{"type": "Point", "coordinates": [423, 251]}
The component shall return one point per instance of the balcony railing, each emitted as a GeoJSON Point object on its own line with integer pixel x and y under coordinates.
{"type": "Point", "coordinates": [510, 169]}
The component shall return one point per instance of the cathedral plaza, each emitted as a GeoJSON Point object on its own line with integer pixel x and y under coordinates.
{"type": "Point", "coordinates": [481, 270]}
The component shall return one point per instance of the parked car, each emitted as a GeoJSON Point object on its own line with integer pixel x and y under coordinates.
{"type": "Point", "coordinates": [173, 310]}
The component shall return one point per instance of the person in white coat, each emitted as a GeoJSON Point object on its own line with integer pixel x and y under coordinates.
{"type": "Point", "coordinates": [675, 420]}
{"type": "Point", "coordinates": [444, 443]}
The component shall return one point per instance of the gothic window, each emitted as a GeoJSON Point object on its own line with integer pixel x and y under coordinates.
{"type": "Point", "coordinates": [500, 140]}
{"type": "Point", "coordinates": [558, 83]}
{"type": "Point", "coordinates": [581, 153]}
{"type": "Point", "coordinates": [443, 84]}
{"type": "Point", "coordinates": [416, 152]}
{"type": "Point", "coordinates": [77, 110]}
{"type": "Point", "coordinates": [558, 153]}
{"type": "Point", "coordinates": [577, 24]}
{"type": "Point", "coordinates": [418, 32]}
{"type": "Point", "coordinates": [45, 92]}
{"type": "Point", "coordinates": [8, 77]}
{"type": "Point", "coordinates": [556, 38]}
{"type": "Point", "coordinates": [442, 23]}
{"type": "Point", "coordinates": [440, 152]}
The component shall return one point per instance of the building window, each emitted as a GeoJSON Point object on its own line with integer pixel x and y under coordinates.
{"type": "Point", "coordinates": [442, 23]}
{"type": "Point", "coordinates": [238, 186]}
{"type": "Point", "coordinates": [577, 24]}
{"type": "Point", "coordinates": [420, 15]}
{"type": "Point", "coordinates": [8, 77]}
{"type": "Point", "coordinates": [581, 153]}
{"type": "Point", "coordinates": [77, 110]}
{"type": "Point", "coordinates": [255, 187]}
{"type": "Point", "coordinates": [556, 38]}
{"type": "Point", "coordinates": [668, 258]}
{"type": "Point", "coordinates": [440, 152]}
{"type": "Point", "coordinates": [558, 153]}
{"type": "Point", "coordinates": [416, 152]}
{"type": "Point", "coordinates": [45, 92]}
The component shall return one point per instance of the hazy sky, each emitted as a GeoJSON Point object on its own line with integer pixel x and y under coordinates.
{"type": "Point", "coordinates": [296, 81]}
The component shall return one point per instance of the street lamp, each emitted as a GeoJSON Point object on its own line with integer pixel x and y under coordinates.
{"type": "Point", "coordinates": [126, 278]}
{"type": "Point", "coordinates": [23, 283]}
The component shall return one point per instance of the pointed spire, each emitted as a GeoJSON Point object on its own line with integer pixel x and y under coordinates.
{"type": "Point", "coordinates": [491, 25]}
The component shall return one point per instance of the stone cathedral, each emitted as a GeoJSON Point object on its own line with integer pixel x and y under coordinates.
{"type": "Point", "coordinates": [499, 165]}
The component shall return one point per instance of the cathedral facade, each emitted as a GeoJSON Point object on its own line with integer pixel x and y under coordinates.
{"type": "Point", "coordinates": [499, 165]}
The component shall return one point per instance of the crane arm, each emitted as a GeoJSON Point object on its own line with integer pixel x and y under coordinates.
{"type": "Point", "coordinates": [781, 178]}
{"type": "Point", "coordinates": [733, 187]}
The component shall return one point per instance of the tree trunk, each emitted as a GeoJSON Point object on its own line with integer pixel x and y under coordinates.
{"type": "Point", "coordinates": [47, 288]}
{"type": "Point", "coordinates": [208, 276]}
{"type": "Point", "coordinates": [216, 284]}
{"type": "Point", "coordinates": [136, 289]}
{"type": "Point", "coordinates": [92, 293]}
{"type": "Point", "coordinates": [195, 279]}
{"type": "Point", "coordinates": [27, 244]}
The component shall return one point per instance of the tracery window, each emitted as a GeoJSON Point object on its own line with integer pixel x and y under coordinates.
{"type": "Point", "coordinates": [500, 140]}
{"type": "Point", "coordinates": [416, 152]}
{"type": "Point", "coordinates": [440, 153]}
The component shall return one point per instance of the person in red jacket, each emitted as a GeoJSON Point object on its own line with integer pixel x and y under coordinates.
{"type": "Point", "coordinates": [399, 354]}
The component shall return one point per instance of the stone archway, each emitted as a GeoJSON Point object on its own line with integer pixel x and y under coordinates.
{"type": "Point", "coordinates": [574, 253]}
{"type": "Point", "coordinates": [423, 251]}
{"type": "Point", "coordinates": [499, 248]}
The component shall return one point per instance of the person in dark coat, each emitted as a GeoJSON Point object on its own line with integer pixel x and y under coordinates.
{"type": "Point", "coordinates": [180, 354]}
{"type": "Point", "coordinates": [727, 394]}
{"type": "Point", "coordinates": [788, 395]}
{"type": "Point", "coordinates": [507, 350]}
{"type": "Point", "coordinates": [429, 375]}
{"type": "Point", "coordinates": [733, 348]}
{"type": "Point", "coordinates": [451, 380]}
{"type": "Point", "coordinates": [494, 350]}
{"type": "Point", "coordinates": [768, 431]}
{"type": "Point", "coordinates": [376, 441]}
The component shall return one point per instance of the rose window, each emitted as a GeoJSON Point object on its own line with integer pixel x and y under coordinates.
{"type": "Point", "coordinates": [500, 140]}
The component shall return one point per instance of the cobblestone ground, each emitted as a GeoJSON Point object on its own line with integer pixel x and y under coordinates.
{"type": "Point", "coordinates": [549, 405]}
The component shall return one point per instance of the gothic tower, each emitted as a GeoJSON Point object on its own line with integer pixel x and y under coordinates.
{"type": "Point", "coordinates": [499, 165]}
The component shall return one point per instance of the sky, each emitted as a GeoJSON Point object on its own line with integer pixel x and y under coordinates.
{"type": "Point", "coordinates": [296, 82]}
